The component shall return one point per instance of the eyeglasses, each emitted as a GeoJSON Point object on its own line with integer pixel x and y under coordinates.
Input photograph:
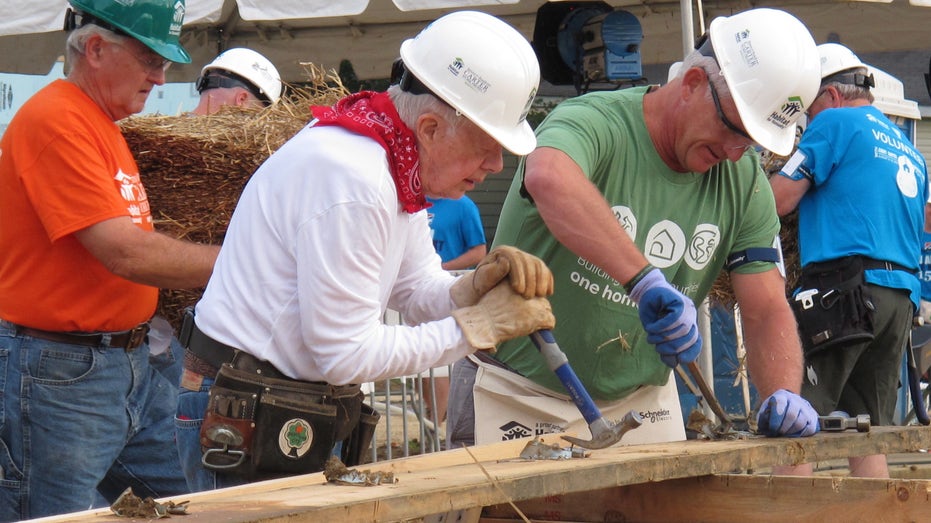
{"type": "Point", "coordinates": [150, 63]}
{"type": "Point", "coordinates": [727, 123]}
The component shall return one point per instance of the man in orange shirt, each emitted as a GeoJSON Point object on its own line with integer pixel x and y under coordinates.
{"type": "Point", "coordinates": [83, 410]}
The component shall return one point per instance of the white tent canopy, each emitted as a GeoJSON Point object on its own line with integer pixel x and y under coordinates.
{"type": "Point", "coordinates": [46, 16]}
{"type": "Point", "coordinates": [369, 32]}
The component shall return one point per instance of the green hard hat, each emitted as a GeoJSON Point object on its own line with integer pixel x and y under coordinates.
{"type": "Point", "coordinates": [155, 23]}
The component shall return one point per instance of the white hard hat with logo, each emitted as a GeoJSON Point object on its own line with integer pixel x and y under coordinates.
{"type": "Point", "coordinates": [772, 69]}
{"type": "Point", "coordinates": [483, 68]}
{"type": "Point", "coordinates": [251, 67]}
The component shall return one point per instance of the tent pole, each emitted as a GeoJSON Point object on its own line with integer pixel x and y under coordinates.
{"type": "Point", "coordinates": [688, 33]}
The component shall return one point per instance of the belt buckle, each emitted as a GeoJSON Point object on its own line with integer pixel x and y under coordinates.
{"type": "Point", "coordinates": [136, 337]}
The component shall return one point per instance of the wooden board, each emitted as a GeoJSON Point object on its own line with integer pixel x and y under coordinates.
{"type": "Point", "coordinates": [450, 481]}
{"type": "Point", "coordinates": [730, 498]}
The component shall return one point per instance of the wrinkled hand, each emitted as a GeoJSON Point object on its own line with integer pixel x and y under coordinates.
{"type": "Point", "coordinates": [785, 413]}
{"type": "Point", "coordinates": [669, 319]}
{"type": "Point", "coordinates": [503, 314]}
{"type": "Point", "coordinates": [526, 273]}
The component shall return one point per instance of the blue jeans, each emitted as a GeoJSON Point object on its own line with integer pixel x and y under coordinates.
{"type": "Point", "coordinates": [190, 417]}
{"type": "Point", "coordinates": [170, 363]}
{"type": "Point", "coordinates": [79, 420]}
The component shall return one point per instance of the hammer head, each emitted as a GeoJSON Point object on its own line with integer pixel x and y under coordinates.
{"type": "Point", "coordinates": [606, 433]}
{"type": "Point", "coordinates": [838, 421]}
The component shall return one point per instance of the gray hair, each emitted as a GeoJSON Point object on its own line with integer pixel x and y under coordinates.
{"type": "Point", "coordinates": [78, 38]}
{"type": "Point", "coordinates": [850, 91]}
{"type": "Point", "coordinates": [411, 106]}
{"type": "Point", "coordinates": [712, 69]}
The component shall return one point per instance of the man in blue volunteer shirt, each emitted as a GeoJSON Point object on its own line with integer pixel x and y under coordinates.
{"type": "Point", "coordinates": [860, 186]}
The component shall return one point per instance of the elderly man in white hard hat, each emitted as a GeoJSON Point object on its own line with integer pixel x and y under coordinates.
{"type": "Point", "coordinates": [238, 77]}
{"type": "Point", "coordinates": [329, 233]}
{"type": "Point", "coordinates": [860, 186]}
{"type": "Point", "coordinates": [637, 199]}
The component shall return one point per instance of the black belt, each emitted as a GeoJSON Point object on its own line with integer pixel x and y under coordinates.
{"type": "Point", "coordinates": [205, 355]}
{"type": "Point", "coordinates": [126, 340]}
{"type": "Point", "coordinates": [207, 349]}
{"type": "Point", "coordinates": [871, 264]}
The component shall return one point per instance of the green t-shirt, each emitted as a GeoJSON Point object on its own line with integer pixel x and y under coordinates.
{"type": "Point", "coordinates": [685, 223]}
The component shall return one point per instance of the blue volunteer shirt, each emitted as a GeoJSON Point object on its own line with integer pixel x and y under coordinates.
{"type": "Point", "coordinates": [869, 187]}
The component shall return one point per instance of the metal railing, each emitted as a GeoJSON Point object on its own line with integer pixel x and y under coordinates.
{"type": "Point", "coordinates": [408, 426]}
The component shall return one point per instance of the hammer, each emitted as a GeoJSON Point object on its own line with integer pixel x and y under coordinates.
{"type": "Point", "coordinates": [708, 395]}
{"type": "Point", "coordinates": [604, 433]}
{"type": "Point", "coordinates": [839, 421]}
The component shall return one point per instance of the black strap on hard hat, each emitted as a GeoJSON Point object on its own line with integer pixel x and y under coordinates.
{"type": "Point", "coordinates": [704, 47]}
{"type": "Point", "coordinates": [401, 76]}
{"type": "Point", "coordinates": [850, 77]}
{"type": "Point", "coordinates": [72, 22]}
{"type": "Point", "coordinates": [221, 78]}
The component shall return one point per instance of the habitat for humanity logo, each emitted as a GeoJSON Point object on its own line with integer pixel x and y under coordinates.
{"type": "Point", "coordinates": [456, 66]}
{"type": "Point", "coordinates": [514, 430]}
{"type": "Point", "coordinates": [788, 113]}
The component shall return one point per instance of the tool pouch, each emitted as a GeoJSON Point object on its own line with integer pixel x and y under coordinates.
{"type": "Point", "coordinates": [833, 305]}
{"type": "Point", "coordinates": [260, 427]}
{"type": "Point", "coordinates": [360, 439]}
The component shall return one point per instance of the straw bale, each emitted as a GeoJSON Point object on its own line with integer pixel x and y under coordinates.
{"type": "Point", "coordinates": [195, 167]}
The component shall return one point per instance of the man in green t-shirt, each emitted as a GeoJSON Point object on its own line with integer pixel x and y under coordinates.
{"type": "Point", "coordinates": [637, 199]}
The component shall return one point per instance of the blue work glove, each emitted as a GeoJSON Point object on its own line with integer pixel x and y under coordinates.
{"type": "Point", "coordinates": [669, 319]}
{"type": "Point", "coordinates": [785, 413]}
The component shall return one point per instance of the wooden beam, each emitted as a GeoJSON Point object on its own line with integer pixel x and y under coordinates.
{"type": "Point", "coordinates": [733, 499]}
{"type": "Point", "coordinates": [452, 480]}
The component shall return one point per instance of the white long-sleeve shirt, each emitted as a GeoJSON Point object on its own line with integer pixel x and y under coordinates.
{"type": "Point", "coordinates": [317, 249]}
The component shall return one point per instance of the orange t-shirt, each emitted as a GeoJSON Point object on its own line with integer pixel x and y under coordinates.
{"type": "Point", "coordinates": [64, 166]}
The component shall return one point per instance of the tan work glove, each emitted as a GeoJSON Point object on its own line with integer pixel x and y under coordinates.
{"type": "Point", "coordinates": [502, 314]}
{"type": "Point", "coordinates": [527, 274]}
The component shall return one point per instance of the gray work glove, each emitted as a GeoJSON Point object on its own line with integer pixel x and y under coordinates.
{"type": "Point", "coordinates": [526, 273]}
{"type": "Point", "coordinates": [503, 314]}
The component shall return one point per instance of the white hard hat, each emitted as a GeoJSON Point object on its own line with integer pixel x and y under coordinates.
{"type": "Point", "coordinates": [839, 64]}
{"type": "Point", "coordinates": [251, 67]}
{"type": "Point", "coordinates": [836, 58]}
{"type": "Point", "coordinates": [771, 66]}
{"type": "Point", "coordinates": [483, 68]}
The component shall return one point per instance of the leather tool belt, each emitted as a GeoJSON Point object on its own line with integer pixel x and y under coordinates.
{"type": "Point", "coordinates": [127, 340]}
{"type": "Point", "coordinates": [261, 424]}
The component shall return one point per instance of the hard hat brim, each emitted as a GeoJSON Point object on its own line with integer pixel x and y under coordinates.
{"type": "Point", "coordinates": [172, 52]}
{"type": "Point", "coordinates": [779, 141]}
{"type": "Point", "coordinates": [521, 140]}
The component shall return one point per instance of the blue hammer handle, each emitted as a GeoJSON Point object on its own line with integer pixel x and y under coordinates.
{"type": "Point", "coordinates": [557, 362]}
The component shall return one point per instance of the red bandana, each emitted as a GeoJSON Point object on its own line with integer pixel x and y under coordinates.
{"type": "Point", "coordinates": [372, 114]}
